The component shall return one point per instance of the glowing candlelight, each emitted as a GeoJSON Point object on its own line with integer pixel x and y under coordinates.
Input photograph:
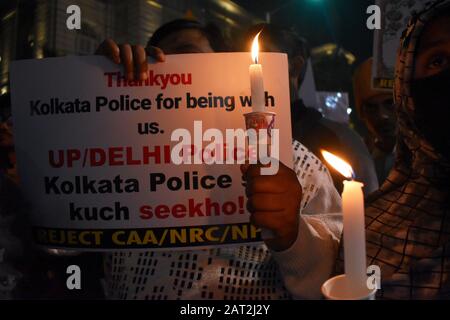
{"type": "Point", "coordinates": [354, 225]}
{"type": "Point", "coordinates": [256, 79]}
{"type": "Point", "coordinates": [259, 119]}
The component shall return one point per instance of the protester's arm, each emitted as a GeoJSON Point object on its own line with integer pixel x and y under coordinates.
{"type": "Point", "coordinates": [302, 209]}
{"type": "Point", "coordinates": [310, 260]}
{"type": "Point", "coordinates": [132, 57]}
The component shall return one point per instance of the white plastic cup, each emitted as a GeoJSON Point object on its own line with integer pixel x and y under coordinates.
{"type": "Point", "coordinates": [260, 120]}
{"type": "Point", "coordinates": [338, 288]}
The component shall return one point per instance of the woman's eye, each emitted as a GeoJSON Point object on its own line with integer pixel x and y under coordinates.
{"type": "Point", "coordinates": [438, 62]}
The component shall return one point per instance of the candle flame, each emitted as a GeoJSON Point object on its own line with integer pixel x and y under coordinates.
{"type": "Point", "coordinates": [340, 165]}
{"type": "Point", "coordinates": [255, 48]}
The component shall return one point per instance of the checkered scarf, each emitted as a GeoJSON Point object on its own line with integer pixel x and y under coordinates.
{"type": "Point", "coordinates": [408, 218]}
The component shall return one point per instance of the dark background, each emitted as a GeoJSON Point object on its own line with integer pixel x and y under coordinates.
{"type": "Point", "coordinates": [37, 29]}
{"type": "Point", "coordinates": [321, 21]}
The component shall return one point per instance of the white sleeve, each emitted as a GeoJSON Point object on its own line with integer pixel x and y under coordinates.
{"type": "Point", "coordinates": [310, 260]}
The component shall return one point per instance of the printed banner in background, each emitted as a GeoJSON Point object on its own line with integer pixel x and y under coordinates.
{"type": "Point", "coordinates": [395, 16]}
{"type": "Point", "coordinates": [93, 149]}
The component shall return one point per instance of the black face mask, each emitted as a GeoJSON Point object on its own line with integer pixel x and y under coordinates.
{"type": "Point", "coordinates": [432, 116]}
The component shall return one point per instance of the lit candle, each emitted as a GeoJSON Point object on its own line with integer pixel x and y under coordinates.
{"type": "Point", "coordinates": [256, 79]}
{"type": "Point", "coordinates": [259, 119]}
{"type": "Point", "coordinates": [354, 225]}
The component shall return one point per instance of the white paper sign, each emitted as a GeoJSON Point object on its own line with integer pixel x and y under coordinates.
{"type": "Point", "coordinates": [94, 150]}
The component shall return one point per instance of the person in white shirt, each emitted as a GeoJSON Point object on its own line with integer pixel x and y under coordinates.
{"type": "Point", "coordinates": [297, 205]}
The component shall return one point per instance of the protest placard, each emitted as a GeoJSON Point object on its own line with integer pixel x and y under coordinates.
{"type": "Point", "coordinates": [395, 16]}
{"type": "Point", "coordinates": [94, 150]}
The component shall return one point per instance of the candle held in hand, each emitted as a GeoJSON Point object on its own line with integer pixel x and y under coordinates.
{"type": "Point", "coordinates": [259, 119]}
{"type": "Point", "coordinates": [256, 79]}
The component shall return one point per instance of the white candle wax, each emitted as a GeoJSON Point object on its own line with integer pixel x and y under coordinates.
{"type": "Point", "coordinates": [354, 235]}
{"type": "Point", "coordinates": [257, 88]}
{"type": "Point", "coordinates": [258, 101]}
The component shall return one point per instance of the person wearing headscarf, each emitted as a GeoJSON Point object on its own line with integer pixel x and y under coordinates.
{"type": "Point", "coordinates": [375, 109]}
{"type": "Point", "coordinates": [408, 218]}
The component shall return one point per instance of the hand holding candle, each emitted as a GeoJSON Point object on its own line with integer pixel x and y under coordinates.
{"type": "Point", "coordinates": [274, 204]}
{"type": "Point", "coordinates": [259, 119]}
